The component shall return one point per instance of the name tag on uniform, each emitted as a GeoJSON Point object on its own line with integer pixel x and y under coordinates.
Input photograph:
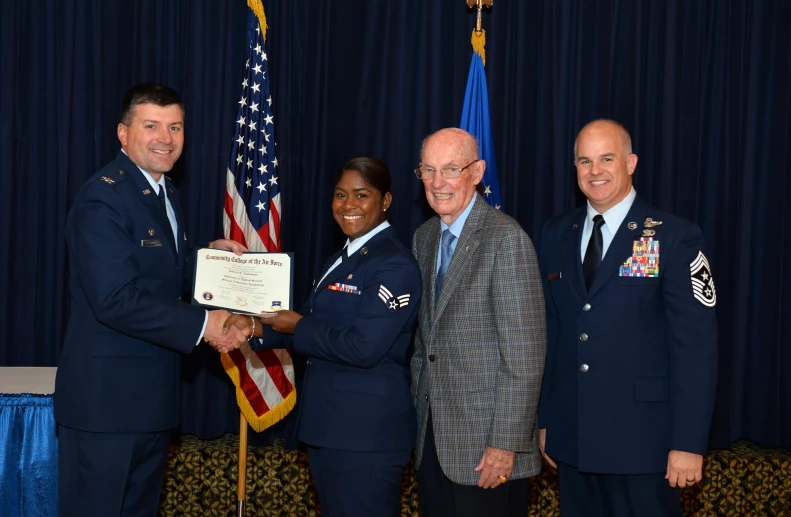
{"type": "Point", "coordinates": [554, 276]}
{"type": "Point", "coordinates": [151, 243]}
{"type": "Point", "coordinates": [644, 261]}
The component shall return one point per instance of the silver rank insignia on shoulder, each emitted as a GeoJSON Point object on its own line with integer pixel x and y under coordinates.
{"type": "Point", "coordinates": [632, 225]}
{"type": "Point", "coordinates": [702, 281]}
{"type": "Point", "coordinates": [363, 251]}
{"type": "Point", "coordinates": [649, 233]}
{"type": "Point", "coordinates": [151, 231]}
{"type": "Point", "coordinates": [650, 223]}
{"type": "Point", "coordinates": [147, 191]}
{"type": "Point", "coordinates": [107, 180]}
{"type": "Point", "coordinates": [393, 303]}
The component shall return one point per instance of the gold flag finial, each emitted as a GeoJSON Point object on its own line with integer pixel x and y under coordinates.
{"type": "Point", "coordinates": [478, 34]}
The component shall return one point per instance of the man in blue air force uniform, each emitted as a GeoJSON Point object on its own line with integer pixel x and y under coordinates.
{"type": "Point", "coordinates": [628, 390]}
{"type": "Point", "coordinates": [117, 387]}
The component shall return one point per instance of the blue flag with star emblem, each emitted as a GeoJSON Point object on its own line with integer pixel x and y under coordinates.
{"type": "Point", "coordinates": [475, 120]}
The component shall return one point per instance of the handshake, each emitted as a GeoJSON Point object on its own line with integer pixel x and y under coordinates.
{"type": "Point", "coordinates": [226, 331]}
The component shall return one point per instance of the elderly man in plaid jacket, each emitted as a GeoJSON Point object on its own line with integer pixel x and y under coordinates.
{"type": "Point", "coordinates": [480, 345]}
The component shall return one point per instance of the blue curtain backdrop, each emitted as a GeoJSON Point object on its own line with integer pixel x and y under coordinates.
{"type": "Point", "coordinates": [704, 87]}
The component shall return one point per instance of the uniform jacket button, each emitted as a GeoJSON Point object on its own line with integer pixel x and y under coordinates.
{"type": "Point", "coordinates": [586, 307]}
{"type": "Point", "coordinates": [584, 367]}
{"type": "Point", "coordinates": [583, 337]}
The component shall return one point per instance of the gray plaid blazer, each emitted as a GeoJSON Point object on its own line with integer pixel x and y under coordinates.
{"type": "Point", "coordinates": [479, 354]}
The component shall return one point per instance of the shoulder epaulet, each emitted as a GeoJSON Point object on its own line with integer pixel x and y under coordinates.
{"type": "Point", "coordinates": [111, 179]}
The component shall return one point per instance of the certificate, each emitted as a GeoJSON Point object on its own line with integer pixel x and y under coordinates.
{"type": "Point", "coordinates": [252, 283]}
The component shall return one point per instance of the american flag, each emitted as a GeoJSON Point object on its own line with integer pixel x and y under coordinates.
{"type": "Point", "coordinates": [475, 118]}
{"type": "Point", "coordinates": [264, 379]}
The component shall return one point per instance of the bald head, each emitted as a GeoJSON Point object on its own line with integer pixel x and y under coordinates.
{"type": "Point", "coordinates": [454, 139]}
{"type": "Point", "coordinates": [605, 124]}
{"type": "Point", "coordinates": [447, 149]}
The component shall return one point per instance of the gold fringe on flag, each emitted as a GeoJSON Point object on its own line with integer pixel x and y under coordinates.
{"type": "Point", "coordinates": [478, 42]}
{"type": "Point", "coordinates": [274, 415]}
{"type": "Point", "coordinates": [258, 9]}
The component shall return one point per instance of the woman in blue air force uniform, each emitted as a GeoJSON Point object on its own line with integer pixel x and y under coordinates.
{"type": "Point", "coordinates": [356, 415]}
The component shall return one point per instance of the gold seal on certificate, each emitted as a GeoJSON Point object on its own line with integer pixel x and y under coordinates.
{"type": "Point", "coordinates": [252, 283]}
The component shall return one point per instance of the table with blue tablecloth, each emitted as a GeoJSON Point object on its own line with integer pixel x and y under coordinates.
{"type": "Point", "coordinates": [28, 444]}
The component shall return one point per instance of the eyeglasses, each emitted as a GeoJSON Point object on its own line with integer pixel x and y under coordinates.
{"type": "Point", "coordinates": [427, 173]}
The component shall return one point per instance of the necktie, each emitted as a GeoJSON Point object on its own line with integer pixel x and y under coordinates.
{"type": "Point", "coordinates": [593, 254]}
{"type": "Point", "coordinates": [161, 197]}
{"type": "Point", "coordinates": [345, 253]}
{"type": "Point", "coordinates": [446, 255]}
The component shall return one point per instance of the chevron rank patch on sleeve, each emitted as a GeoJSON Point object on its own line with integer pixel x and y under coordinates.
{"type": "Point", "coordinates": [393, 303]}
{"type": "Point", "coordinates": [702, 282]}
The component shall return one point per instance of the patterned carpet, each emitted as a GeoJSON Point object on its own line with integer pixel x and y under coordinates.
{"type": "Point", "coordinates": [745, 481]}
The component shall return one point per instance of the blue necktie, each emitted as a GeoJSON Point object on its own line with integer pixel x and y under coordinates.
{"type": "Point", "coordinates": [446, 255]}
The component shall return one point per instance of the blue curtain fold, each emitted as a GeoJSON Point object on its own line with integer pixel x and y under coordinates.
{"type": "Point", "coordinates": [704, 87]}
{"type": "Point", "coordinates": [28, 456]}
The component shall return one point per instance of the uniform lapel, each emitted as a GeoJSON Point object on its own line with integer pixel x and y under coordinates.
{"type": "Point", "coordinates": [428, 267]}
{"type": "Point", "coordinates": [465, 248]}
{"type": "Point", "coordinates": [175, 201]}
{"type": "Point", "coordinates": [340, 273]}
{"type": "Point", "coordinates": [572, 263]}
{"type": "Point", "coordinates": [621, 246]}
{"type": "Point", "coordinates": [148, 197]}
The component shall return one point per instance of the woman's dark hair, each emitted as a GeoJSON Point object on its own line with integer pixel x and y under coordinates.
{"type": "Point", "coordinates": [373, 171]}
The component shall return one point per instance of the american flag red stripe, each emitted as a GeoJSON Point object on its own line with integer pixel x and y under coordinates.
{"type": "Point", "coordinates": [251, 215]}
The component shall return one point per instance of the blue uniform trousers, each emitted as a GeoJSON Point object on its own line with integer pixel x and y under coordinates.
{"type": "Point", "coordinates": [616, 495]}
{"type": "Point", "coordinates": [358, 483]}
{"type": "Point", "coordinates": [110, 474]}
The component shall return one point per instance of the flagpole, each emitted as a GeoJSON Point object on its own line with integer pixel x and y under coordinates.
{"type": "Point", "coordinates": [480, 5]}
{"type": "Point", "coordinates": [241, 485]}
{"type": "Point", "coordinates": [251, 216]}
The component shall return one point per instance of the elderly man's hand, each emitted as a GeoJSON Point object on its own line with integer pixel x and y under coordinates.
{"type": "Point", "coordinates": [495, 463]}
